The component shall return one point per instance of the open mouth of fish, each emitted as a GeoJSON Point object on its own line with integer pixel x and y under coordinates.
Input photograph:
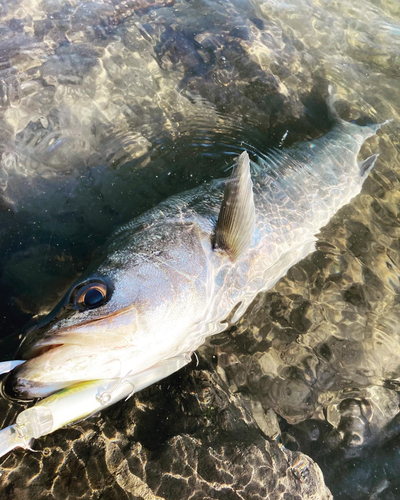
{"type": "Point", "coordinates": [105, 348]}
{"type": "Point", "coordinates": [46, 353]}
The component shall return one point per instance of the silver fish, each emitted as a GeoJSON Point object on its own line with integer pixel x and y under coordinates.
{"type": "Point", "coordinates": [171, 277]}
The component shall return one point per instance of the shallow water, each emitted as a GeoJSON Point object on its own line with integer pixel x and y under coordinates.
{"type": "Point", "coordinates": [108, 108]}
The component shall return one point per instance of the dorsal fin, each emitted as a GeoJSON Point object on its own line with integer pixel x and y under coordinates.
{"type": "Point", "coordinates": [236, 218]}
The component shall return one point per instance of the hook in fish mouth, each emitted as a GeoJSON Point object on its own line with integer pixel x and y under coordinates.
{"type": "Point", "coordinates": [57, 358]}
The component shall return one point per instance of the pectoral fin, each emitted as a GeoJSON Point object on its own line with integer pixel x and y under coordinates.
{"type": "Point", "coordinates": [236, 219]}
{"type": "Point", "coordinates": [367, 165]}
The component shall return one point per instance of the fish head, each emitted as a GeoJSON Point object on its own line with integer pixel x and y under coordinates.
{"type": "Point", "coordinates": [151, 299]}
{"type": "Point", "coordinates": [132, 311]}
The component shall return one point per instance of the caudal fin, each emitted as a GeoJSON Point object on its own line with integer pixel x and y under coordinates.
{"type": "Point", "coordinates": [370, 128]}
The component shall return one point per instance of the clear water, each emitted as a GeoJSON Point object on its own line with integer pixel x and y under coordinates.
{"type": "Point", "coordinates": [107, 108]}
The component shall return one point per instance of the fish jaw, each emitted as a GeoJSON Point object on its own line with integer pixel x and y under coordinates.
{"type": "Point", "coordinates": [117, 346]}
{"type": "Point", "coordinates": [116, 329]}
{"type": "Point", "coordinates": [62, 367]}
{"type": "Point", "coordinates": [88, 351]}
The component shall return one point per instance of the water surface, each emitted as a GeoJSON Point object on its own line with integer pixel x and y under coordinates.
{"type": "Point", "coordinates": [107, 108]}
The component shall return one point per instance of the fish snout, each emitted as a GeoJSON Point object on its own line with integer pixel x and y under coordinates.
{"type": "Point", "coordinates": [18, 385]}
{"type": "Point", "coordinates": [59, 356]}
{"type": "Point", "coordinates": [60, 366]}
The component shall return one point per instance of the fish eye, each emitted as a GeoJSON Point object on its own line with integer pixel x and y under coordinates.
{"type": "Point", "coordinates": [90, 295]}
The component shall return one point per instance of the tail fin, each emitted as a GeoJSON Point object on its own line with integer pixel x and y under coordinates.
{"type": "Point", "coordinates": [330, 102]}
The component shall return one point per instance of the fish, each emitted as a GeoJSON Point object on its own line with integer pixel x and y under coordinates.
{"type": "Point", "coordinates": [179, 273]}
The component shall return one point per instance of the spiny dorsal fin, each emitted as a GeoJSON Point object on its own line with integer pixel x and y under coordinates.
{"type": "Point", "coordinates": [236, 218]}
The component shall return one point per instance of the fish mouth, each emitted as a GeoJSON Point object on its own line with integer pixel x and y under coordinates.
{"type": "Point", "coordinates": [93, 349]}
{"type": "Point", "coordinates": [45, 336]}
{"type": "Point", "coordinates": [33, 379]}
{"type": "Point", "coordinates": [16, 387]}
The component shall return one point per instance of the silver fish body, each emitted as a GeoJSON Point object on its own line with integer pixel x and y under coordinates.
{"type": "Point", "coordinates": [171, 277]}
